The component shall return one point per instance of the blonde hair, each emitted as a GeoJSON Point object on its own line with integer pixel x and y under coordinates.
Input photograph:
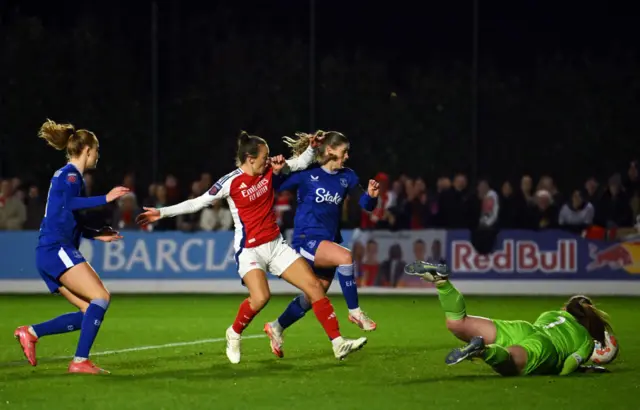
{"type": "Point", "coordinates": [66, 137]}
{"type": "Point", "coordinates": [301, 143]}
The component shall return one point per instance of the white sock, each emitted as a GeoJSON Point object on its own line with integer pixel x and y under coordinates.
{"type": "Point", "coordinates": [355, 312]}
{"type": "Point", "coordinates": [337, 341]}
{"type": "Point", "coordinates": [80, 359]}
{"type": "Point", "coordinates": [233, 333]}
{"type": "Point", "coordinates": [276, 325]}
{"type": "Point", "coordinates": [32, 332]}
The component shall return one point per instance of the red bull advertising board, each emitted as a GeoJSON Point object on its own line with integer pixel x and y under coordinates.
{"type": "Point", "coordinates": [544, 255]}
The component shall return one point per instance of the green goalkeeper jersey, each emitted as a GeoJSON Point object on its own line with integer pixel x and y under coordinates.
{"type": "Point", "coordinates": [569, 337]}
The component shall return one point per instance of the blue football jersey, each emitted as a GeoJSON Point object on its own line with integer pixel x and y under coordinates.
{"type": "Point", "coordinates": [320, 194]}
{"type": "Point", "coordinates": [62, 222]}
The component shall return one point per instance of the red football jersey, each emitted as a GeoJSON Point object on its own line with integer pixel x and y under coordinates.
{"type": "Point", "coordinates": [251, 200]}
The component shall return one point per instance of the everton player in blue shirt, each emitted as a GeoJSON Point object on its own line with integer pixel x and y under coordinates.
{"type": "Point", "coordinates": [320, 192]}
{"type": "Point", "coordinates": [58, 259]}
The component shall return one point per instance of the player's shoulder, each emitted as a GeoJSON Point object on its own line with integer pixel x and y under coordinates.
{"type": "Point", "coordinates": [230, 177]}
{"type": "Point", "coordinates": [225, 181]}
{"type": "Point", "coordinates": [312, 168]}
{"type": "Point", "coordinates": [68, 174]}
{"type": "Point", "coordinates": [348, 172]}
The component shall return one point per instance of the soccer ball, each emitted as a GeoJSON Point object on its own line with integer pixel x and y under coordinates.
{"type": "Point", "coordinates": [608, 353]}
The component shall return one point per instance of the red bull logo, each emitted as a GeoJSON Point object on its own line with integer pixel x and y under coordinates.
{"type": "Point", "coordinates": [623, 255]}
{"type": "Point", "coordinates": [516, 256]}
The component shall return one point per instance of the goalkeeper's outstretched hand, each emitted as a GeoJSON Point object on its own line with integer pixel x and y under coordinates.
{"type": "Point", "coordinates": [593, 368]}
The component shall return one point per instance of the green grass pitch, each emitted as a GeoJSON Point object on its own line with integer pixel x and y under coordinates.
{"type": "Point", "coordinates": [402, 367]}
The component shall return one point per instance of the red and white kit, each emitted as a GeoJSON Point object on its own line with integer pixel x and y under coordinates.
{"type": "Point", "coordinates": [258, 242]}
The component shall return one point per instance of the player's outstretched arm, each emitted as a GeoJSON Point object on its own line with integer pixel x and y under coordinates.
{"type": "Point", "coordinates": [75, 202]}
{"type": "Point", "coordinates": [151, 215]}
{"type": "Point", "coordinates": [218, 191]}
{"type": "Point", "coordinates": [571, 364]}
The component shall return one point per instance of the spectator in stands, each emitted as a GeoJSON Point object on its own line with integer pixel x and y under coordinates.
{"type": "Point", "coordinates": [381, 217]}
{"type": "Point", "coordinates": [442, 185]}
{"type": "Point", "coordinates": [129, 181]}
{"type": "Point", "coordinates": [401, 210]}
{"type": "Point", "coordinates": [489, 205]}
{"type": "Point", "coordinates": [632, 188]}
{"type": "Point", "coordinates": [613, 209]}
{"type": "Point", "coordinates": [35, 209]}
{"type": "Point", "coordinates": [13, 213]}
{"type": "Point", "coordinates": [546, 183]}
{"type": "Point", "coordinates": [392, 269]}
{"type": "Point", "coordinates": [151, 199]}
{"type": "Point", "coordinates": [454, 204]}
{"type": "Point", "coordinates": [164, 224]}
{"type": "Point", "coordinates": [544, 215]}
{"type": "Point", "coordinates": [18, 189]}
{"type": "Point", "coordinates": [88, 183]}
{"type": "Point", "coordinates": [417, 208]}
{"type": "Point", "coordinates": [284, 210]}
{"type": "Point", "coordinates": [124, 216]}
{"type": "Point", "coordinates": [191, 222]}
{"type": "Point", "coordinates": [526, 190]}
{"type": "Point", "coordinates": [171, 189]}
{"type": "Point", "coordinates": [511, 207]}
{"type": "Point", "coordinates": [576, 215]}
{"type": "Point", "coordinates": [99, 215]}
{"type": "Point", "coordinates": [632, 181]}
{"type": "Point", "coordinates": [206, 181]}
{"type": "Point", "coordinates": [591, 191]}
{"type": "Point", "coordinates": [216, 218]}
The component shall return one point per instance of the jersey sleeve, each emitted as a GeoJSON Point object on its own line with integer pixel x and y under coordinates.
{"type": "Point", "coordinates": [70, 184]}
{"type": "Point", "coordinates": [287, 182]}
{"type": "Point", "coordinates": [582, 355]}
{"type": "Point", "coordinates": [300, 162]}
{"type": "Point", "coordinates": [219, 190]}
{"type": "Point", "coordinates": [355, 190]}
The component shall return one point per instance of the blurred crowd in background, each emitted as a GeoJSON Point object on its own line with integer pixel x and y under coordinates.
{"type": "Point", "coordinates": [405, 203]}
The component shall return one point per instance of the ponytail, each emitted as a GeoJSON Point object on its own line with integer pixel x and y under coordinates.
{"type": "Point", "coordinates": [593, 319]}
{"type": "Point", "coordinates": [65, 137]}
{"type": "Point", "coordinates": [56, 135]}
{"type": "Point", "coordinates": [301, 143]}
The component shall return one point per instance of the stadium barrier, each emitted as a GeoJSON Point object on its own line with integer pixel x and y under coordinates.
{"type": "Point", "coordinates": [523, 263]}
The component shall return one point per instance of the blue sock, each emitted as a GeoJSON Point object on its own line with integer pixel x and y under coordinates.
{"type": "Point", "coordinates": [61, 324]}
{"type": "Point", "coordinates": [90, 325]}
{"type": "Point", "coordinates": [296, 310]}
{"type": "Point", "coordinates": [348, 285]}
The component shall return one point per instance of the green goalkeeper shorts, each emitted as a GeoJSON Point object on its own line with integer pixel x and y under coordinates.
{"type": "Point", "coordinates": [542, 357]}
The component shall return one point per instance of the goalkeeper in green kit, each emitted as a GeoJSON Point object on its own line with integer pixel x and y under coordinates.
{"type": "Point", "coordinates": [557, 343]}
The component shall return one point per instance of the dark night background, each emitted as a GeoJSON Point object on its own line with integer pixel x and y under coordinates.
{"type": "Point", "coordinates": [557, 84]}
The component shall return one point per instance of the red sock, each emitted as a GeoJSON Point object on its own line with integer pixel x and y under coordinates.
{"type": "Point", "coordinates": [245, 316]}
{"type": "Point", "coordinates": [327, 317]}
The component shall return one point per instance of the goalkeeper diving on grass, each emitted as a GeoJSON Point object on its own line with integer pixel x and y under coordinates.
{"type": "Point", "coordinates": [559, 342]}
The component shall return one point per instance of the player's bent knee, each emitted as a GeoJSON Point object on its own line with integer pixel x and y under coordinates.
{"type": "Point", "coordinates": [259, 300]}
{"type": "Point", "coordinates": [344, 257]}
{"type": "Point", "coordinates": [314, 291]}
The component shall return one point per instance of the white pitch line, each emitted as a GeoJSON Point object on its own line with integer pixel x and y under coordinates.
{"type": "Point", "coordinates": [177, 344]}
{"type": "Point", "coordinates": [137, 349]}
